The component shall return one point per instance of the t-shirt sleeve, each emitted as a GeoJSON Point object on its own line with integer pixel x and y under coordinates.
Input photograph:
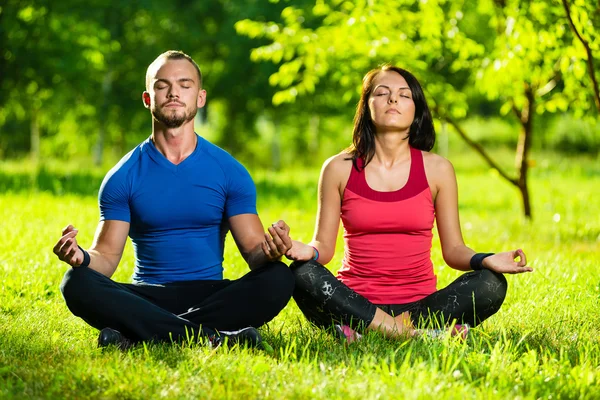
{"type": "Point", "coordinates": [113, 197]}
{"type": "Point", "coordinates": [241, 193]}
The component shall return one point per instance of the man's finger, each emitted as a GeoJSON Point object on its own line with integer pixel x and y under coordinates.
{"type": "Point", "coordinates": [65, 248]}
{"type": "Point", "coordinates": [270, 245]}
{"type": "Point", "coordinates": [283, 237]}
{"type": "Point", "coordinates": [279, 245]}
{"type": "Point", "coordinates": [278, 229]}
{"type": "Point", "coordinates": [276, 232]}
{"type": "Point", "coordinates": [68, 236]}
{"type": "Point", "coordinates": [73, 251]}
{"type": "Point", "coordinates": [57, 247]}
{"type": "Point", "coordinates": [61, 242]}
{"type": "Point", "coordinates": [281, 225]}
{"type": "Point", "coordinates": [279, 241]}
{"type": "Point", "coordinates": [287, 242]}
{"type": "Point", "coordinates": [68, 229]}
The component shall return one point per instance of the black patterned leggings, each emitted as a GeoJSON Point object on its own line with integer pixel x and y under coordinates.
{"type": "Point", "coordinates": [324, 300]}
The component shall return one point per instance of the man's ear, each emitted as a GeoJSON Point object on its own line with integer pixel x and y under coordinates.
{"type": "Point", "coordinates": [201, 100]}
{"type": "Point", "coordinates": [146, 99]}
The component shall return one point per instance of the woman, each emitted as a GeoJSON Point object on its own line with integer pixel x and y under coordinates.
{"type": "Point", "coordinates": [388, 189]}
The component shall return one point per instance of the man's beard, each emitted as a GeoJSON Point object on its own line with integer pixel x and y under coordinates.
{"type": "Point", "coordinates": [174, 120]}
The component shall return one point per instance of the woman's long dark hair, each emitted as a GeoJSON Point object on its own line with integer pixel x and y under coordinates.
{"type": "Point", "coordinates": [421, 134]}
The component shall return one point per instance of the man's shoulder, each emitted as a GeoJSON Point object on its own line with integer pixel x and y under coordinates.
{"type": "Point", "coordinates": [220, 156]}
{"type": "Point", "coordinates": [125, 164]}
{"type": "Point", "coordinates": [215, 151]}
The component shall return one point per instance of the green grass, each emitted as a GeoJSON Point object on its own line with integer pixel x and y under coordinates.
{"type": "Point", "coordinates": [543, 343]}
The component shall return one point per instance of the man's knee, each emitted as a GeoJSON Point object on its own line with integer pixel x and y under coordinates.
{"type": "Point", "coordinates": [77, 286]}
{"type": "Point", "coordinates": [280, 277]}
{"type": "Point", "coordinates": [71, 284]}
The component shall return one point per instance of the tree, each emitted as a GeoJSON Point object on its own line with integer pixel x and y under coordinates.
{"type": "Point", "coordinates": [41, 55]}
{"type": "Point", "coordinates": [516, 52]}
{"type": "Point", "coordinates": [73, 71]}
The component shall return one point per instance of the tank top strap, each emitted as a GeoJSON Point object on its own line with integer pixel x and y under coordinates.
{"type": "Point", "coordinates": [417, 179]}
{"type": "Point", "coordinates": [356, 181]}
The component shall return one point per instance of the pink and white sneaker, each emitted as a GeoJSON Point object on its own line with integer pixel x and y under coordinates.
{"type": "Point", "coordinates": [459, 330]}
{"type": "Point", "coordinates": [346, 333]}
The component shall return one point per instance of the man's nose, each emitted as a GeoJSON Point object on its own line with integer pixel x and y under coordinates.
{"type": "Point", "coordinates": [173, 92]}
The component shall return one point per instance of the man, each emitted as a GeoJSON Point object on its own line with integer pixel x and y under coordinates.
{"type": "Point", "coordinates": [176, 195]}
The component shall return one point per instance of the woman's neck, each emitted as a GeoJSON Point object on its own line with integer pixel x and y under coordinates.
{"type": "Point", "coordinates": [391, 149]}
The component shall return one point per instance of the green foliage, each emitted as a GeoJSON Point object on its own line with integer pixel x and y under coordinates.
{"type": "Point", "coordinates": [574, 136]}
{"type": "Point", "coordinates": [461, 51]}
{"type": "Point", "coordinates": [544, 342]}
{"type": "Point", "coordinates": [351, 38]}
{"type": "Point", "coordinates": [492, 132]}
{"type": "Point", "coordinates": [495, 47]}
{"type": "Point", "coordinates": [560, 133]}
{"type": "Point", "coordinates": [75, 69]}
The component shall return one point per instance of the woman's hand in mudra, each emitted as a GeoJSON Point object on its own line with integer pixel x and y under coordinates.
{"type": "Point", "coordinates": [300, 251]}
{"type": "Point", "coordinates": [508, 262]}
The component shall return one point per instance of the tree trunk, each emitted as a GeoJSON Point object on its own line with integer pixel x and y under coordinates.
{"type": "Point", "coordinates": [276, 146]}
{"type": "Point", "coordinates": [522, 153]}
{"type": "Point", "coordinates": [588, 51]}
{"type": "Point", "coordinates": [106, 89]}
{"type": "Point", "coordinates": [523, 147]}
{"type": "Point", "coordinates": [478, 148]}
{"type": "Point", "coordinates": [229, 138]}
{"type": "Point", "coordinates": [313, 134]}
{"type": "Point", "coordinates": [35, 135]}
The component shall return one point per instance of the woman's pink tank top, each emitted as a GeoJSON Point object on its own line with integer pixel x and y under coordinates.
{"type": "Point", "coordinates": [387, 236]}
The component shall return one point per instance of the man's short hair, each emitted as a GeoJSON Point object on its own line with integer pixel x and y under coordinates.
{"type": "Point", "coordinates": [172, 55]}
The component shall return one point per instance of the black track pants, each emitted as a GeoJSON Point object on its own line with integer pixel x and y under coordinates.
{"type": "Point", "coordinates": [179, 310]}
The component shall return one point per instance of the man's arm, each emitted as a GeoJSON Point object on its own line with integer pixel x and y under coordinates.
{"type": "Point", "coordinates": [256, 246]}
{"type": "Point", "coordinates": [106, 250]}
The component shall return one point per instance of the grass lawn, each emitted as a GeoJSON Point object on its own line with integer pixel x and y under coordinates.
{"type": "Point", "coordinates": [543, 343]}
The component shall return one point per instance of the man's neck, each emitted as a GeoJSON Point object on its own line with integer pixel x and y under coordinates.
{"type": "Point", "coordinates": [176, 144]}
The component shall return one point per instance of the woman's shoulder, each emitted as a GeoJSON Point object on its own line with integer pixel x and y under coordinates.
{"type": "Point", "coordinates": [437, 164]}
{"type": "Point", "coordinates": [339, 162]}
{"type": "Point", "coordinates": [439, 171]}
{"type": "Point", "coordinates": [338, 167]}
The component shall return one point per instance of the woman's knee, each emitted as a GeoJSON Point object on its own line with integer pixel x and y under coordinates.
{"type": "Point", "coordinates": [493, 287]}
{"type": "Point", "coordinates": [309, 273]}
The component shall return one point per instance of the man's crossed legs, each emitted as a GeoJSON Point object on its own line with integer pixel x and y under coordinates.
{"type": "Point", "coordinates": [178, 311]}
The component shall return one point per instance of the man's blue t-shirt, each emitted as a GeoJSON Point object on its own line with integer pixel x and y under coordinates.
{"type": "Point", "coordinates": [178, 213]}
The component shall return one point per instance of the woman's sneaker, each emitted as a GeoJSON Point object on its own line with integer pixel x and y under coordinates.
{"type": "Point", "coordinates": [346, 333]}
{"type": "Point", "coordinates": [460, 330]}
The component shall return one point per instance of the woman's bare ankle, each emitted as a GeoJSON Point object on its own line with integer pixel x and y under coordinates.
{"type": "Point", "coordinates": [404, 323]}
{"type": "Point", "coordinates": [399, 326]}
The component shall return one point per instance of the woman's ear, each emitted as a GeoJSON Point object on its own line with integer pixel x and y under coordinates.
{"type": "Point", "coordinates": [146, 99]}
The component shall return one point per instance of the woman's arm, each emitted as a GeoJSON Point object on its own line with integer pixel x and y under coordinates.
{"type": "Point", "coordinates": [456, 254]}
{"type": "Point", "coordinates": [334, 175]}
